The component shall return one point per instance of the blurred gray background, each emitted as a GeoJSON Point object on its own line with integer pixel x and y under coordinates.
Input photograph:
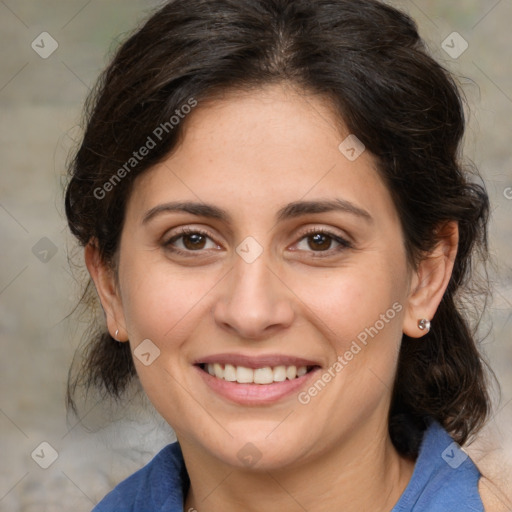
{"type": "Point", "coordinates": [40, 101]}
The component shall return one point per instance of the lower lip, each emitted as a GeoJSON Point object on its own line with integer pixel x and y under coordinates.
{"type": "Point", "coordinates": [255, 394]}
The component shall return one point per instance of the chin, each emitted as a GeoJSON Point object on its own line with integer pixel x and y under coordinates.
{"type": "Point", "coordinates": [252, 448]}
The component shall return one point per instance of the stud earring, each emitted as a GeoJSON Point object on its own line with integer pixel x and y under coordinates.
{"type": "Point", "coordinates": [116, 335]}
{"type": "Point", "coordinates": [424, 324]}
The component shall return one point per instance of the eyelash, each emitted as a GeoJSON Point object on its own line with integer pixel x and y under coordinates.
{"type": "Point", "coordinates": [343, 243]}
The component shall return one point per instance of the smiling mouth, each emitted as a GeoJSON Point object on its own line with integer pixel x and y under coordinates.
{"type": "Point", "coordinates": [264, 375]}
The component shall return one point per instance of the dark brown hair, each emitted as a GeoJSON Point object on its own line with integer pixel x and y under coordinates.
{"type": "Point", "coordinates": [369, 60]}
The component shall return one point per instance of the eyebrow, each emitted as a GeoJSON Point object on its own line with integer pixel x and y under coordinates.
{"type": "Point", "coordinates": [290, 211]}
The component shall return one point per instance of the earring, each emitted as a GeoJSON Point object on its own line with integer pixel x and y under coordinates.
{"type": "Point", "coordinates": [116, 334]}
{"type": "Point", "coordinates": [424, 325]}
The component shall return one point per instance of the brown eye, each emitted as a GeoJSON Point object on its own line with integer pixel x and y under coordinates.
{"type": "Point", "coordinates": [194, 241]}
{"type": "Point", "coordinates": [190, 240]}
{"type": "Point", "coordinates": [319, 241]}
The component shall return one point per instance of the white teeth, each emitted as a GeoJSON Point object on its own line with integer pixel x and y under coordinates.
{"type": "Point", "coordinates": [265, 375]}
{"type": "Point", "coordinates": [301, 370]}
{"type": "Point", "coordinates": [219, 371]}
{"type": "Point", "coordinates": [229, 373]}
{"type": "Point", "coordinates": [279, 373]}
{"type": "Point", "coordinates": [291, 372]}
{"type": "Point", "coordinates": [244, 375]}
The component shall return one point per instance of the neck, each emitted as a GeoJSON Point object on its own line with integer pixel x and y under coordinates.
{"type": "Point", "coordinates": [357, 475]}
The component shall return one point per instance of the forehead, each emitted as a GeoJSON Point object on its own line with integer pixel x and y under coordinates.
{"type": "Point", "coordinates": [265, 147]}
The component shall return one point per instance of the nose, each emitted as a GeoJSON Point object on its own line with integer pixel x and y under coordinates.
{"type": "Point", "coordinates": [254, 302]}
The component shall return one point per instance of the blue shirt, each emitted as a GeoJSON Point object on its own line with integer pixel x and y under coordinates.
{"type": "Point", "coordinates": [445, 479]}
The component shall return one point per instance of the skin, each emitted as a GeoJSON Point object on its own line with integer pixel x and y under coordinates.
{"type": "Point", "coordinates": [251, 154]}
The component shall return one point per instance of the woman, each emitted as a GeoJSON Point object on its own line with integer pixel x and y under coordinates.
{"type": "Point", "coordinates": [274, 214]}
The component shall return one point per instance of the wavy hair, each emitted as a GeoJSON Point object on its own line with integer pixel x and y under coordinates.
{"type": "Point", "coordinates": [369, 60]}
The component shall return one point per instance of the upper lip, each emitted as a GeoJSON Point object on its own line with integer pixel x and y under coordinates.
{"type": "Point", "coordinates": [262, 361]}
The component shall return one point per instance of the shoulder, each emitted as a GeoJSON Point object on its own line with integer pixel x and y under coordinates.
{"type": "Point", "coordinates": [495, 485]}
{"type": "Point", "coordinates": [493, 496]}
{"type": "Point", "coordinates": [158, 486]}
{"type": "Point", "coordinates": [444, 477]}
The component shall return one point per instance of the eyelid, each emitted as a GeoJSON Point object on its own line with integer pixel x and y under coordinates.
{"type": "Point", "coordinates": [343, 240]}
{"type": "Point", "coordinates": [332, 232]}
{"type": "Point", "coordinates": [183, 231]}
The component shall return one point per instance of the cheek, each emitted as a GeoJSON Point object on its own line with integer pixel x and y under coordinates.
{"type": "Point", "coordinates": [348, 300]}
{"type": "Point", "coordinates": [164, 306]}
{"type": "Point", "coordinates": [359, 310]}
{"type": "Point", "coordinates": [159, 302]}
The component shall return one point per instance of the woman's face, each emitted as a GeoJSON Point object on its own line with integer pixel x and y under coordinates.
{"type": "Point", "coordinates": [293, 257]}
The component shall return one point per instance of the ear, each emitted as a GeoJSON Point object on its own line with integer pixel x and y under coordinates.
{"type": "Point", "coordinates": [105, 282]}
{"type": "Point", "coordinates": [431, 279]}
